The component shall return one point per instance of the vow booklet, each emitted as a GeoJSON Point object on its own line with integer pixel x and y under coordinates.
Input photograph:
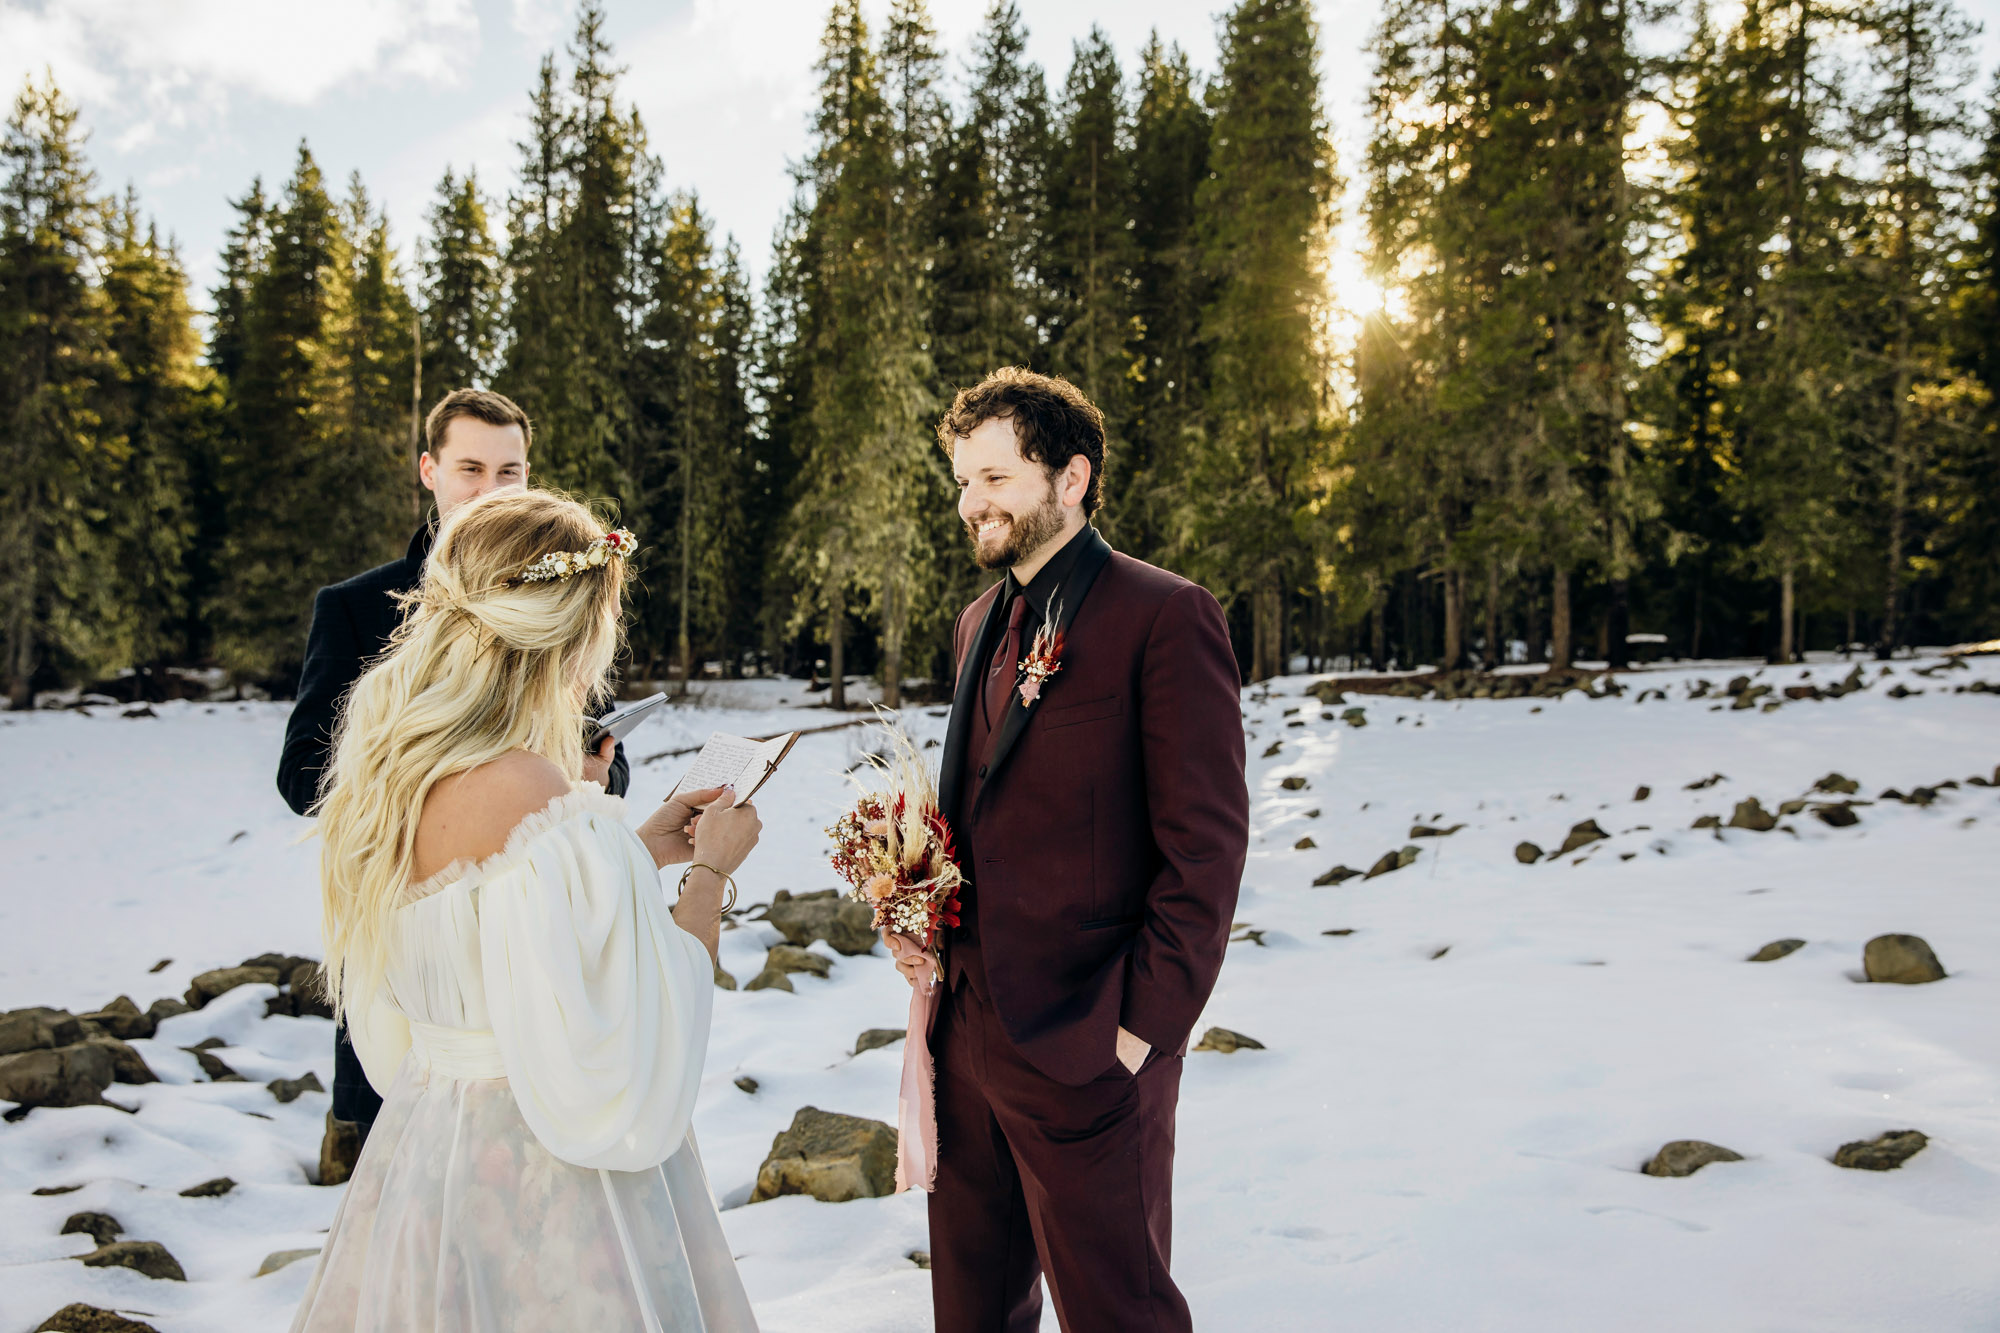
{"type": "Point", "coordinates": [732, 759]}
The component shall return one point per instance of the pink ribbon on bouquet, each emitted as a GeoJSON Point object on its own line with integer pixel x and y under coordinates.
{"type": "Point", "coordinates": [916, 1100]}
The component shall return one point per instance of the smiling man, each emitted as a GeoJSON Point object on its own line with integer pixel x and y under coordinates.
{"type": "Point", "coordinates": [477, 442]}
{"type": "Point", "coordinates": [1101, 819]}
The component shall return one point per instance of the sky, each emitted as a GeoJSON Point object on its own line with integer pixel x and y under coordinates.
{"type": "Point", "coordinates": [189, 101]}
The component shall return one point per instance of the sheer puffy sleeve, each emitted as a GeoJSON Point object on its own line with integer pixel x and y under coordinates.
{"type": "Point", "coordinates": [381, 1038]}
{"type": "Point", "coordinates": [599, 1002]}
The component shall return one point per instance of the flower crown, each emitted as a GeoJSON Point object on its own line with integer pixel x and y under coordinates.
{"type": "Point", "coordinates": [561, 564]}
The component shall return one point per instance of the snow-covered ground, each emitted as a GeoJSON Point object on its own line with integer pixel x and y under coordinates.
{"type": "Point", "coordinates": [1444, 1131]}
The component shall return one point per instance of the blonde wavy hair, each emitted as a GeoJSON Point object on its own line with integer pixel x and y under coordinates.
{"type": "Point", "coordinates": [481, 665]}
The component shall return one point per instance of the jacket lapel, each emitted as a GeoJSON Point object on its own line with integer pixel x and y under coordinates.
{"type": "Point", "coordinates": [1090, 562]}
{"type": "Point", "coordinates": [965, 698]}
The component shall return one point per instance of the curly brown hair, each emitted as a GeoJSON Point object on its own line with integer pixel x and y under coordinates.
{"type": "Point", "coordinates": [1053, 422]}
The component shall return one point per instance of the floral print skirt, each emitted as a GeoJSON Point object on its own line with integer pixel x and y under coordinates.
{"type": "Point", "coordinates": [458, 1220]}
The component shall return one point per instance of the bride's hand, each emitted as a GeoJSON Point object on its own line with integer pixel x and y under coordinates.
{"type": "Point", "coordinates": [668, 833]}
{"type": "Point", "coordinates": [911, 960]}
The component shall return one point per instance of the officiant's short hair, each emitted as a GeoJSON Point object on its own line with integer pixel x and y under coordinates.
{"type": "Point", "coordinates": [495, 409]}
{"type": "Point", "coordinates": [1053, 421]}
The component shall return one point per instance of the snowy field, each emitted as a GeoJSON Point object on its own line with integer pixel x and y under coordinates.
{"type": "Point", "coordinates": [1444, 1131]}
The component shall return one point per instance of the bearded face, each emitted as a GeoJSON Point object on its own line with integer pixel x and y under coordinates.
{"type": "Point", "coordinates": [1002, 538]}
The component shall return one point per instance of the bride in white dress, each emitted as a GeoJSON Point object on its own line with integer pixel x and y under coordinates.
{"type": "Point", "coordinates": [512, 975]}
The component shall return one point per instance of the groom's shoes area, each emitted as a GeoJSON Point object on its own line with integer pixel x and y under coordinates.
{"type": "Point", "coordinates": [1037, 1178]}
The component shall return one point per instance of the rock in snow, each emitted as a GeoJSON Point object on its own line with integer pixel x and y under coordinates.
{"type": "Point", "coordinates": [1684, 1157]}
{"type": "Point", "coordinates": [1905, 960]}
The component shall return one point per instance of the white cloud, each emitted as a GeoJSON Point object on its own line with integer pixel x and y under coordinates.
{"type": "Point", "coordinates": [147, 67]}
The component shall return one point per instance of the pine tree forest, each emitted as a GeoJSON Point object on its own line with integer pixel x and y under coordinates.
{"type": "Point", "coordinates": [1672, 330]}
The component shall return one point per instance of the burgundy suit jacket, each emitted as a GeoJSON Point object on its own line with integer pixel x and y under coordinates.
{"type": "Point", "coordinates": [1111, 826]}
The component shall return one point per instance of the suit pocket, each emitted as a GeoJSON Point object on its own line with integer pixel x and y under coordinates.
{"type": "Point", "coordinates": [1110, 923]}
{"type": "Point", "coordinates": [1089, 711]}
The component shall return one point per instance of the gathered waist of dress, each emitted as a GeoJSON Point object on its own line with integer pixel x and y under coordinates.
{"type": "Point", "coordinates": [460, 1053]}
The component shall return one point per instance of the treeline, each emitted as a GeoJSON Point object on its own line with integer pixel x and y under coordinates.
{"type": "Point", "coordinates": [1700, 345]}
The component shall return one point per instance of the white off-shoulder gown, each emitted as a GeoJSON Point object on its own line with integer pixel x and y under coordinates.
{"type": "Point", "coordinates": [541, 1042]}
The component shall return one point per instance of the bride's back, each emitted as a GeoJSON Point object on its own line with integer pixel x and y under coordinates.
{"type": "Point", "coordinates": [480, 700]}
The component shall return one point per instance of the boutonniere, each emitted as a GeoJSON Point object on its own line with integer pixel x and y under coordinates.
{"type": "Point", "coordinates": [1044, 659]}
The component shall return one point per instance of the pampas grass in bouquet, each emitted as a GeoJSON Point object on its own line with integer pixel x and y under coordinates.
{"type": "Point", "coordinates": [894, 848]}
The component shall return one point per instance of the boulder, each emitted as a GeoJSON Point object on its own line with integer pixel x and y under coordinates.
{"type": "Point", "coordinates": [102, 1228]}
{"type": "Point", "coordinates": [831, 1157]}
{"type": "Point", "coordinates": [74, 1075]}
{"type": "Point", "coordinates": [212, 1064]}
{"type": "Point", "coordinates": [308, 991]}
{"type": "Point", "coordinates": [875, 1039]}
{"type": "Point", "coordinates": [1884, 1152]}
{"type": "Point", "coordinates": [1581, 835]}
{"type": "Point", "coordinates": [164, 1008]}
{"type": "Point", "coordinates": [339, 1149]}
{"type": "Point", "coordinates": [1305, 845]}
{"type": "Point", "coordinates": [127, 1066]}
{"type": "Point", "coordinates": [921, 1258]}
{"type": "Point", "coordinates": [1389, 861]}
{"type": "Point", "coordinates": [141, 1256]}
{"type": "Point", "coordinates": [1753, 816]}
{"type": "Point", "coordinates": [288, 1090]}
{"type": "Point", "coordinates": [1293, 783]}
{"type": "Point", "coordinates": [1700, 784]}
{"type": "Point", "coordinates": [279, 1258]}
{"type": "Point", "coordinates": [207, 985]}
{"type": "Point", "coordinates": [123, 1020]}
{"type": "Point", "coordinates": [1224, 1042]}
{"type": "Point", "coordinates": [1335, 876]}
{"type": "Point", "coordinates": [847, 926]}
{"type": "Point", "coordinates": [747, 1084]}
{"type": "Point", "coordinates": [1355, 717]}
{"type": "Point", "coordinates": [1905, 960]}
{"type": "Point", "coordinates": [1642, 793]}
{"type": "Point", "coordinates": [771, 979]}
{"type": "Point", "coordinates": [1791, 807]}
{"type": "Point", "coordinates": [81, 1318]}
{"type": "Point", "coordinates": [1527, 853]}
{"type": "Point", "coordinates": [1834, 782]}
{"type": "Point", "coordinates": [791, 958]}
{"type": "Point", "coordinates": [724, 980]}
{"type": "Point", "coordinates": [37, 1029]}
{"type": "Point", "coordinates": [1839, 816]}
{"type": "Point", "coordinates": [1775, 950]}
{"type": "Point", "coordinates": [209, 1189]}
{"type": "Point", "coordinates": [1430, 831]}
{"type": "Point", "coordinates": [1684, 1157]}
{"type": "Point", "coordinates": [1707, 821]}
{"type": "Point", "coordinates": [1271, 751]}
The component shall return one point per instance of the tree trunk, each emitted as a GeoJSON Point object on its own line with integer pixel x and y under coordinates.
{"type": "Point", "coordinates": [1378, 635]}
{"type": "Point", "coordinates": [836, 656]}
{"type": "Point", "coordinates": [1694, 639]}
{"type": "Point", "coordinates": [1618, 624]}
{"type": "Point", "coordinates": [1495, 654]}
{"type": "Point", "coordinates": [1561, 649]}
{"type": "Point", "coordinates": [894, 629]}
{"type": "Point", "coordinates": [1454, 619]}
{"type": "Point", "coordinates": [1267, 630]}
{"type": "Point", "coordinates": [1787, 610]}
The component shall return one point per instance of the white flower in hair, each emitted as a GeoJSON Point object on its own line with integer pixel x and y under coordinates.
{"type": "Point", "coordinates": [562, 564]}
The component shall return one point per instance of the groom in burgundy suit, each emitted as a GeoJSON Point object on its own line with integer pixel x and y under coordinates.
{"type": "Point", "coordinates": [1101, 823]}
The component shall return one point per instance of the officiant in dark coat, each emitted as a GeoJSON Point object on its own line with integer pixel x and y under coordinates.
{"type": "Point", "coordinates": [477, 441]}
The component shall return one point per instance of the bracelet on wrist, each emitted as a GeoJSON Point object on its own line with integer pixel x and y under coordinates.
{"type": "Point", "coordinates": [729, 904]}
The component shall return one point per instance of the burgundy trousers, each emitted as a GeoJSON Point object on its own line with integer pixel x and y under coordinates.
{"type": "Point", "coordinates": [1037, 1179]}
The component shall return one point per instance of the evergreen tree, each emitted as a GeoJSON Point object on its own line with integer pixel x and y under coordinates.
{"type": "Point", "coordinates": [460, 290]}
{"type": "Point", "coordinates": [159, 416]}
{"type": "Point", "coordinates": [1264, 217]}
{"type": "Point", "coordinates": [1088, 252]}
{"type": "Point", "coordinates": [56, 599]}
{"type": "Point", "coordinates": [313, 464]}
{"type": "Point", "coordinates": [1170, 130]}
{"type": "Point", "coordinates": [1913, 125]}
{"type": "Point", "coordinates": [988, 305]}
